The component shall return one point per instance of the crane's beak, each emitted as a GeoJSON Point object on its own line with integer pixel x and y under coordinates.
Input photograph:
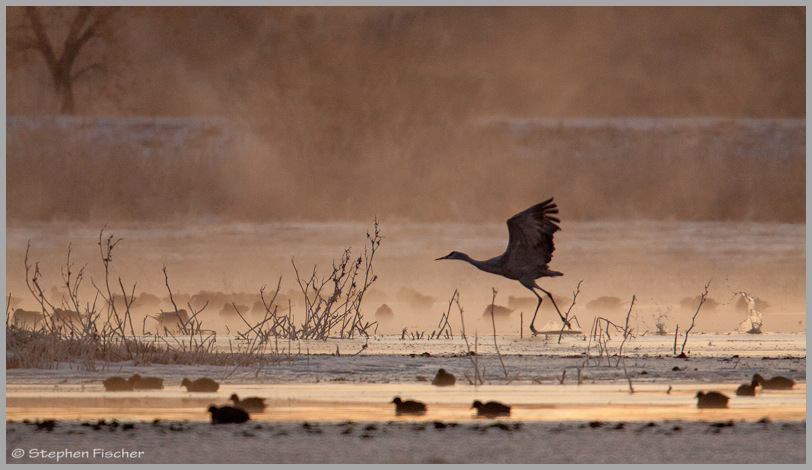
{"type": "Point", "coordinates": [442, 257]}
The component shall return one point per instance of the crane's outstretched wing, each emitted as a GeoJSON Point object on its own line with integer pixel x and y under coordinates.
{"type": "Point", "coordinates": [531, 234]}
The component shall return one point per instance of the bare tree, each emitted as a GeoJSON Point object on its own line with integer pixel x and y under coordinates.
{"type": "Point", "coordinates": [39, 31]}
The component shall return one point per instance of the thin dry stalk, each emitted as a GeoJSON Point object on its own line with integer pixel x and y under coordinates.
{"type": "Point", "coordinates": [493, 324]}
{"type": "Point", "coordinates": [601, 335]}
{"type": "Point", "coordinates": [567, 314]}
{"type": "Point", "coordinates": [676, 332]}
{"type": "Point", "coordinates": [444, 325]}
{"type": "Point", "coordinates": [693, 319]}
{"type": "Point", "coordinates": [521, 325]}
{"type": "Point", "coordinates": [472, 357]}
{"type": "Point", "coordinates": [626, 333]}
{"type": "Point", "coordinates": [628, 377]}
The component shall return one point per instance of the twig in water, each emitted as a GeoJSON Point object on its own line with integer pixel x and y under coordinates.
{"type": "Point", "coordinates": [631, 389]}
{"type": "Point", "coordinates": [472, 357]}
{"type": "Point", "coordinates": [521, 325]}
{"type": "Point", "coordinates": [626, 331]}
{"type": "Point", "coordinates": [567, 314]}
{"type": "Point", "coordinates": [443, 325]}
{"type": "Point", "coordinates": [701, 301]}
{"type": "Point", "coordinates": [493, 323]}
{"type": "Point", "coordinates": [676, 331]}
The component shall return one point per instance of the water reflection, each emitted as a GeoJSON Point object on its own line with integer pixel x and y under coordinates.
{"type": "Point", "coordinates": [372, 402]}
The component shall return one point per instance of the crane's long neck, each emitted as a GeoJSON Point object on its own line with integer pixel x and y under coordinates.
{"type": "Point", "coordinates": [486, 266]}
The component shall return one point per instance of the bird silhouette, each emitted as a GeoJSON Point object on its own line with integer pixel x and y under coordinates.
{"type": "Point", "coordinates": [408, 407]}
{"type": "Point", "coordinates": [117, 384]}
{"type": "Point", "coordinates": [227, 414]}
{"type": "Point", "coordinates": [443, 379]}
{"type": "Point", "coordinates": [775, 383]}
{"type": "Point", "coordinates": [492, 409]}
{"type": "Point", "coordinates": [250, 404]}
{"type": "Point", "coordinates": [141, 383]}
{"type": "Point", "coordinates": [529, 250]}
{"type": "Point", "coordinates": [748, 390]}
{"type": "Point", "coordinates": [711, 400]}
{"type": "Point", "coordinates": [202, 384]}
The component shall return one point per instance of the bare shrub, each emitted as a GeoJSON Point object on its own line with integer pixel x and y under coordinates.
{"type": "Point", "coordinates": [333, 303]}
{"type": "Point", "coordinates": [100, 331]}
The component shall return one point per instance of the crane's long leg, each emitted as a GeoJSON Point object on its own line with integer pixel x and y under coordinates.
{"type": "Point", "coordinates": [563, 319]}
{"type": "Point", "coordinates": [533, 290]}
{"type": "Point", "coordinates": [532, 328]}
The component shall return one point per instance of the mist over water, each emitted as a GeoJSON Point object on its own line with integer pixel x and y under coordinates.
{"type": "Point", "coordinates": [228, 140]}
{"type": "Point", "coordinates": [175, 169]}
{"type": "Point", "coordinates": [665, 265]}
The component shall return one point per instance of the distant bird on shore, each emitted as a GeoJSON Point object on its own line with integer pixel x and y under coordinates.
{"type": "Point", "coordinates": [227, 414]}
{"type": "Point", "coordinates": [250, 404]}
{"type": "Point", "coordinates": [529, 250]}
{"type": "Point", "coordinates": [171, 321]}
{"type": "Point", "coordinates": [117, 384]}
{"type": "Point", "coordinates": [498, 311]}
{"type": "Point", "coordinates": [711, 400]}
{"type": "Point", "coordinates": [775, 383]}
{"type": "Point", "coordinates": [200, 385]}
{"type": "Point", "coordinates": [492, 409]}
{"type": "Point", "coordinates": [142, 383]}
{"type": "Point", "coordinates": [443, 379]}
{"type": "Point", "coordinates": [408, 407]}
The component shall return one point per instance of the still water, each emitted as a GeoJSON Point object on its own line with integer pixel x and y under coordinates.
{"type": "Point", "coordinates": [372, 402]}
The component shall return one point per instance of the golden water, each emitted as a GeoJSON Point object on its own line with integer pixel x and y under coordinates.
{"type": "Point", "coordinates": [372, 402]}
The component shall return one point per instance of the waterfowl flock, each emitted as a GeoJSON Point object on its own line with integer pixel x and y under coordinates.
{"type": "Point", "coordinates": [720, 400]}
{"type": "Point", "coordinates": [239, 409]}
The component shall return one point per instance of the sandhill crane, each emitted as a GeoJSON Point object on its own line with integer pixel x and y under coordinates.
{"type": "Point", "coordinates": [530, 249]}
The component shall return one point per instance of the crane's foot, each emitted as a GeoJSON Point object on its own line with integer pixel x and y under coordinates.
{"type": "Point", "coordinates": [532, 328]}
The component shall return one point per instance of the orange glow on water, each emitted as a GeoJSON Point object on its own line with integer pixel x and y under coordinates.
{"type": "Point", "coordinates": [372, 402]}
